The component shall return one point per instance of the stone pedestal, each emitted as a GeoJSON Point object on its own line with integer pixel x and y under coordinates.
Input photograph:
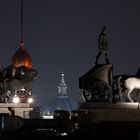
{"type": "Point", "coordinates": [21, 109]}
{"type": "Point", "coordinates": [109, 112]}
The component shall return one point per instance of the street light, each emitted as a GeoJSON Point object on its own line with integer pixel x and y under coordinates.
{"type": "Point", "coordinates": [30, 100]}
{"type": "Point", "coordinates": [16, 99]}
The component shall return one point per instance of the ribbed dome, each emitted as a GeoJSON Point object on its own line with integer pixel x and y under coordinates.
{"type": "Point", "coordinates": [22, 57]}
{"type": "Point", "coordinates": [62, 101]}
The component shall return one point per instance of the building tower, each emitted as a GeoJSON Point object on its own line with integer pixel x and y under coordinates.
{"type": "Point", "coordinates": [62, 101]}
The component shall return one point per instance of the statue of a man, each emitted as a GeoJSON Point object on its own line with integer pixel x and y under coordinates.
{"type": "Point", "coordinates": [103, 46]}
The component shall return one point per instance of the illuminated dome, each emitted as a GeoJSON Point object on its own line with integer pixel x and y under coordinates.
{"type": "Point", "coordinates": [62, 101]}
{"type": "Point", "coordinates": [22, 57]}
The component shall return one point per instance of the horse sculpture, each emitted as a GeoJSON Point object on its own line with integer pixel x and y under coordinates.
{"type": "Point", "coordinates": [127, 83]}
{"type": "Point", "coordinates": [131, 84]}
{"type": "Point", "coordinates": [16, 81]}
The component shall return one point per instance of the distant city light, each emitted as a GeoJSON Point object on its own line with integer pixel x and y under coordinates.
{"type": "Point", "coordinates": [63, 134]}
{"type": "Point", "coordinates": [30, 100]}
{"type": "Point", "coordinates": [47, 117]}
{"type": "Point", "coordinates": [16, 99]}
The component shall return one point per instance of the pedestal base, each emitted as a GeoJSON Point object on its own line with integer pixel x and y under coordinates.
{"type": "Point", "coordinates": [21, 109]}
{"type": "Point", "coordinates": [104, 112]}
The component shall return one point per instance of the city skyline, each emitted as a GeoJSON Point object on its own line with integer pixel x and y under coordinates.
{"type": "Point", "coordinates": [61, 36]}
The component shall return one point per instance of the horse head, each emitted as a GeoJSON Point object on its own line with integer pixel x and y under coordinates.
{"type": "Point", "coordinates": [31, 74]}
{"type": "Point", "coordinates": [20, 72]}
{"type": "Point", "coordinates": [8, 72]}
{"type": "Point", "coordinates": [24, 73]}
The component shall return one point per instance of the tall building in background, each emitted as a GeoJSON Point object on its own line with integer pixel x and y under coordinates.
{"type": "Point", "coordinates": [62, 101]}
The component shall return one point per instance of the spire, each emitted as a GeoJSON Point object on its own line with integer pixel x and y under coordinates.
{"type": "Point", "coordinates": [21, 19]}
{"type": "Point", "coordinates": [62, 88]}
{"type": "Point", "coordinates": [21, 56]}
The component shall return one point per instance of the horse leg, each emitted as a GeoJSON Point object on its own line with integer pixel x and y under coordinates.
{"type": "Point", "coordinates": [128, 95]}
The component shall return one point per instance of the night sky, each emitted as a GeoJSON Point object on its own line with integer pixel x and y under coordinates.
{"type": "Point", "coordinates": [61, 36]}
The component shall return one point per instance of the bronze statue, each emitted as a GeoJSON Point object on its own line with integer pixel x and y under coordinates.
{"type": "Point", "coordinates": [16, 80]}
{"type": "Point", "coordinates": [103, 46]}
